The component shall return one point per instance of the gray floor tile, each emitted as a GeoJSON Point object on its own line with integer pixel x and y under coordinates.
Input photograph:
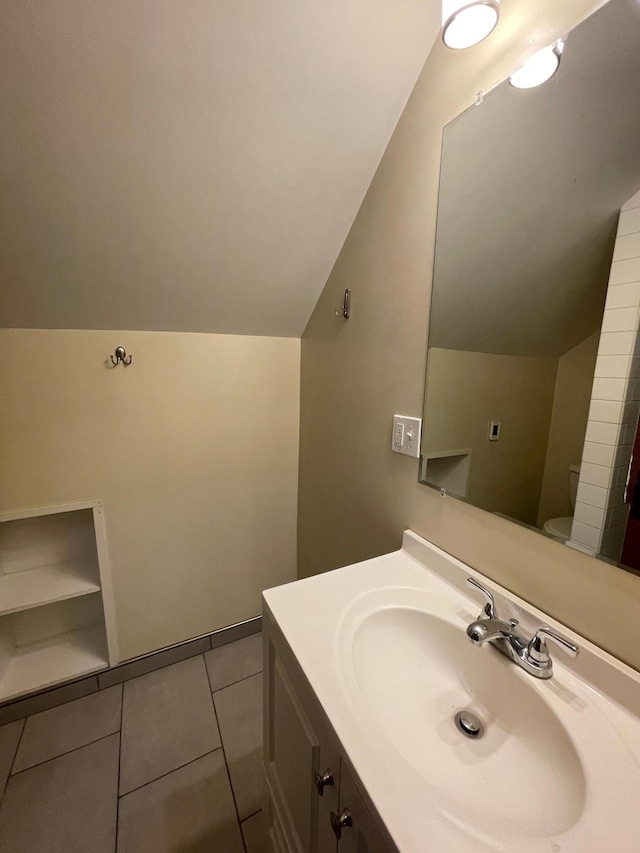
{"type": "Point", "coordinates": [235, 661]}
{"type": "Point", "coordinates": [188, 811]}
{"type": "Point", "coordinates": [152, 662]}
{"type": "Point", "coordinates": [167, 721]}
{"type": "Point", "coordinates": [59, 730]}
{"type": "Point", "coordinates": [239, 710]}
{"type": "Point", "coordinates": [49, 699]}
{"type": "Point", "coordinates": [9, 740]}
{"type": "Point", "coordinates": [254, 830]}
{"type": "Point", "coordinates": [67, 805]}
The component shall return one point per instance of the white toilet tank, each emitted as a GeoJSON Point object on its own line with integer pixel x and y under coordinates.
{"type": "Point", "coordinates": [574, 477]}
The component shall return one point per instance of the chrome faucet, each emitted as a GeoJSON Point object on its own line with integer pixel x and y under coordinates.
{"type": "Point", "coordinates": [532, 655]}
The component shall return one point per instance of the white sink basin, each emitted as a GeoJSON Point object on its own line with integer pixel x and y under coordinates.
{"type": "Point", "coordinates": [557, 768]}
{"type": "Point", "coordinates": [431, 670]}
{"type": "Point", "coordinates": [408, 667]}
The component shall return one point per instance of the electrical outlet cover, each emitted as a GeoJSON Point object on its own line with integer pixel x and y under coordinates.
{"type": "Point", "coordinates": [406, 434]}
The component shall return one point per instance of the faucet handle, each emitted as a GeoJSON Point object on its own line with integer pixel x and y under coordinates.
{"type": "Point", "coordinates": [538, 652]}
{"type": "Point", "coordinates": [489, 610]}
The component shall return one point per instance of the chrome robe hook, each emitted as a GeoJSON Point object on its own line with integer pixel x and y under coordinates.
{"type": "Point", "coordinates": [120, 356]}
{"type": "Point", "coordinates": [345, 308]}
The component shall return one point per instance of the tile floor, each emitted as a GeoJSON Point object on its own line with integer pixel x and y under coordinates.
{"type": "Point", "coordinates": [167, 762]}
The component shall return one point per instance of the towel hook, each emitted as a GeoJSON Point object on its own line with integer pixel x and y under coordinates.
{"type": "Point", "coordinates": [121, 356]}
{"type": "Point", "coordinates": [345, 308]}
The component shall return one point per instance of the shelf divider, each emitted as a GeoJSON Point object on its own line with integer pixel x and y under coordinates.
{"type": "Point", "coordinates": [46, 585]}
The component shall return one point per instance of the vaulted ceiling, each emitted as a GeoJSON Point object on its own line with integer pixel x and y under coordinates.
{"type": "Point", "coordinates": [191, 166]}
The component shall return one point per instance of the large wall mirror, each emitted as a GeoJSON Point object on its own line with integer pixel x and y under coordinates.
{"type": "Point", "coordinates": [531, 398]}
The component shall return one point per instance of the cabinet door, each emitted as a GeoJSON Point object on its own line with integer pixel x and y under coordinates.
{"type": "Point", "coordinates": [362, 835]}
{"type": "Point", "coordinates": [328, 801]}
{"type": "Point", "coordinates": [299, 751]}
{"type": "Point", "coordinates": [292, 758]}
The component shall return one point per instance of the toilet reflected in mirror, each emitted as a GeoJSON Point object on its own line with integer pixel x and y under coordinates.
{"type": "Point", "coordinates": [560, 528]}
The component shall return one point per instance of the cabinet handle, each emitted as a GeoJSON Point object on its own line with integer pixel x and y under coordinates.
{"type": "Point", "coordinates": [322, 781]}
{"type": "Point", "coordinates": [338, 822]}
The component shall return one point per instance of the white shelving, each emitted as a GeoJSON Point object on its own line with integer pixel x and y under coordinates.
{"type": "Point", "coordinates": [45, 585]}
{"type": "Point", "coordinates": [35, 666]}
{"type": "Point", "coordinates": [56, 608]}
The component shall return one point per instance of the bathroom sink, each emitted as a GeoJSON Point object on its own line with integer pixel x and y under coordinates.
{"type": "Point", "coordinates": [424, 671]}
{"type": "Point", "coordinates": [556, 766]}
{"type": "Point", "coordinates": [523, 767]}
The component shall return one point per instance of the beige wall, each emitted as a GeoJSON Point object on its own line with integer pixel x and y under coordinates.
{"type": "Point", "coordinates": [467, 390]}
{"type": "Point", "coordinates": [568, 426]}
{"type": "Point", "coordinates": [356, 496]}
{"type": "Point", "coordinates": [193, 449]}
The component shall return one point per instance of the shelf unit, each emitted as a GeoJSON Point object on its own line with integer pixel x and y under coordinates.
{"type": "Point", "coordinates": [447, 469]}
{"type": "Point", "coordinates": [56, 604]}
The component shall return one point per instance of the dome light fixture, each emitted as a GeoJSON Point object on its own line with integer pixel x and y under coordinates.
{"type": "Point", "coordinates": [538, 68]}
{"type": "Point", "coordinates": [467, 23]}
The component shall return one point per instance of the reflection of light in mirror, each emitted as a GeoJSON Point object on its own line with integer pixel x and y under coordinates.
{"type": "Point", "coordinates": [465, 24]}
{"type": "Point", "coordinates": [538, 68]}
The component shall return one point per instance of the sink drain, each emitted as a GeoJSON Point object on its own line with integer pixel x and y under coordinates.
{"type": "Point", "coordinates": [469, 724]}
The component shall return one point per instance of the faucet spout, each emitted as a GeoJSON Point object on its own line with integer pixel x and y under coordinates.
{"type": "Point", "coordinates": [531, 655]}
{"type": "Point", "coordinates": [485, 630]}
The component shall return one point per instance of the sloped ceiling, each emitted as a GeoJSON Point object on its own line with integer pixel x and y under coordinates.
{"type": "Point", "coordinates": [191, 166]}
{"type": "Point", "coordinates": [531, 186]}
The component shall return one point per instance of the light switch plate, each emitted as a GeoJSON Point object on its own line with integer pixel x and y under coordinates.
{"type": "Point", "coordinates": [405, 437]}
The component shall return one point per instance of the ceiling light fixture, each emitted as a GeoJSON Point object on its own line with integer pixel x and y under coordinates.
{"type": "Point", "coordinates": [467, 23]}
{"type": "Point", "coordinates": [538, 68]}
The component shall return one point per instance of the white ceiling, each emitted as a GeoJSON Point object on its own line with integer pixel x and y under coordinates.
{"type": "Point", "coordinates": [531, 187]}
{"type": "Point", "coordinates": [191, 166]}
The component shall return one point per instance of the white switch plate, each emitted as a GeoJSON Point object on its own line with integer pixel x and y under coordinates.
{"type": "Point", "coordinates": [406, 435]}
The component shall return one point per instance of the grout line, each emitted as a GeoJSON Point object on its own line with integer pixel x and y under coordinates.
{"type": "Point", "coordinates": [68, 752]}
{"type": "Point", "coordinates": [253, 814]}
{"type": "Point", "coordinates": [168, 773]}
{"type": "Point", "coordinates": [226, 764]}
{"type": "Point", "coordinates": [206, 669]}
{"type": "Point", "coordinates": [119, 765]}
{"type": "Point", "coordinates": [13, 760]}
{"type": "Point", "coordinates": [628, 234]}
{"type": "Point", "coordinates": [244, 678]}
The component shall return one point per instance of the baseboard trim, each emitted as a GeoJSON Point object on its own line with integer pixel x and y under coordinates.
{"type": "Point", "coordinates": [70, 690]}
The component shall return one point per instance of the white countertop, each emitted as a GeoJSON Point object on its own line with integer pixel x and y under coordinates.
{"type": "Point", "coordinates": [596, 697]}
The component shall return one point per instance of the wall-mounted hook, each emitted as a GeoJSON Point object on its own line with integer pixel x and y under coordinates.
{"type": "Point", "coordinates": [344, 309]}
{"type": "Point", "coordinates": [120, 356]}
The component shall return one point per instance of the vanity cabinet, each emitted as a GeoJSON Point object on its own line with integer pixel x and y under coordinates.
{"type": "Point", "coordinates": [362, 836]}
{"type": "Point", "coordinates": [309, 787]}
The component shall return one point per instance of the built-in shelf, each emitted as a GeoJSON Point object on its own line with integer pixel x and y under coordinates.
{"type": "Point", "coordinates": [56, 608]}
{"type": "Point", "coordinates": [54, 660]}
{"type": "Point", "coordinates": [46, 585]}
{"type": "Point", "coordinates": [448, 470]}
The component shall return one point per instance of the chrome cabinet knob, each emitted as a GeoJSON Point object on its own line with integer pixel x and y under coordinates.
{"type": "Point", "coordinates": [324, 780]}
{"type": "Point", "coordinates": [339, 822]}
